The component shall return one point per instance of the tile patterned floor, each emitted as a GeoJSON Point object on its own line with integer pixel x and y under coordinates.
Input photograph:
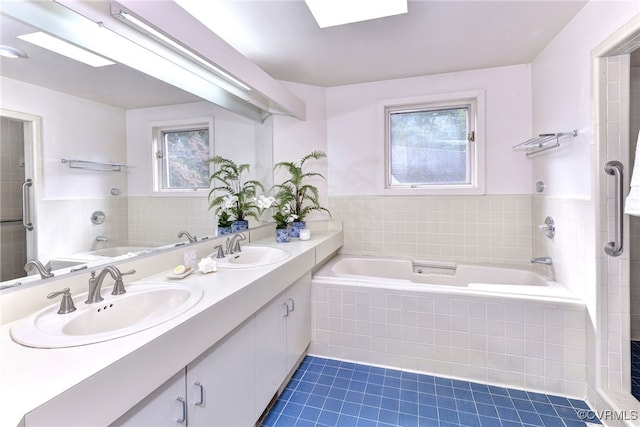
{"type": "Point", "coordinates": [326, 392]}
{"type": "Point", "coordinates": [635, 369]}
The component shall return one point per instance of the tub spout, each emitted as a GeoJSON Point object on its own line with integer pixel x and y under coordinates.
{"type": "Point", "coordinates": [542, 260]}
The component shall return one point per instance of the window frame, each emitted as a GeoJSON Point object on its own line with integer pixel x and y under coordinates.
{"type": "Point", "coordinates": [475, 99]}
{"type": "Point", "coordinates": [158, 129]}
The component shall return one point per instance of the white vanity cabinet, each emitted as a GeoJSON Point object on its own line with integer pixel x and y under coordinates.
{"type": "Point", "coordinates": [232, 383]}
{"type": "Point", "coordinates": [216, 389]}
{"type": "Point", "coordinates": [283, 332]}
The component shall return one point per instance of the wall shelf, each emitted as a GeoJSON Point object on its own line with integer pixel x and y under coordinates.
{"type": "Point", "coordinates": [96, 166]}
{"type": "Point", "coordinates": [542, 142]}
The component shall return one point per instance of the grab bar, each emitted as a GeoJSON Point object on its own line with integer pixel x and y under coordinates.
{"type": "Point", "coordinates": [26, 218]}
{"type": "Point", "coordinates": [614, 248]}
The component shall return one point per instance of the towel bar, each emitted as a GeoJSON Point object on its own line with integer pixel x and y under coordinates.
{"type": "Point", "coordinates": [614, 248]}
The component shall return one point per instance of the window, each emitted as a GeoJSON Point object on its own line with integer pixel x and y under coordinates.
{"type": "Point", "coordinates": [181, 155]}
{"type": "Point", "coordinates": [433, 146]}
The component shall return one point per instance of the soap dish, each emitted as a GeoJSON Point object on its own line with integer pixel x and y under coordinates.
{"type": "Point", "coordinates": [179, 276]}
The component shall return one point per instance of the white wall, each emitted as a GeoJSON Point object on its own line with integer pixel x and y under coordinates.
{"type": "Point", "coordinates": [353, 131]}
{"type": "Point", "coordinates": [72, 128]}
{"type": "Point", "coordinates": [293, 138]}
{"type": "Point", "coordinates": [562, 95]}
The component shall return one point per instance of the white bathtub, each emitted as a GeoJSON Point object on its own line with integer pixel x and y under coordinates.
{"type": "Point", "coordinates": [438, 276]}
{"type": "Point", "coordinates": [491, 324]}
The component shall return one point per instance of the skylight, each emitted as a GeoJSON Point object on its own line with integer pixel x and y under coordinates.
{"type": "Point", "coordinates": [63, 48]}
{"type": "Point", "coordinates": [329, 13]}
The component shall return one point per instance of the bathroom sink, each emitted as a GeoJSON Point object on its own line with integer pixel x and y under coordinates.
{"type": "Point", "coordinates": [253, 256]}
{"type": "Point", "coordinates": [143, 306]}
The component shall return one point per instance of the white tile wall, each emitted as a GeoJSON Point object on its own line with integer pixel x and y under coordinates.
{"type": "Point", "coordinates": [573, 248]}
{"type": "Point", "coordinates": [634, 222]}
{"type": "Point", "coordinates": [493, 228]}
{"type": "Point", "coordinates": [158, 220]}
{"type": "Point", "coordinates": [64, 226]}
{"type": "Point", "coordinates": [523, 344]}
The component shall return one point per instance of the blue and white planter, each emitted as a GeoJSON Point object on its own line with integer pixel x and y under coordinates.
{"type": "Point", "coordinates": [296, 226]}
{"type": "Point", "coordinates": [282, 235]}
{"type": "Point", "coordinates": [223, 231]}
{"type": "Point", "coordinates": [238, 226]}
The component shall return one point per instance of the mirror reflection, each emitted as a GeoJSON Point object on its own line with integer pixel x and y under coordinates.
{"type": "Point", "coordinates": [106, 120]}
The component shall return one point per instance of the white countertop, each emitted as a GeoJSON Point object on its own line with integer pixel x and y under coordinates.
{"type": "Point", "coordinates": [95, 384]}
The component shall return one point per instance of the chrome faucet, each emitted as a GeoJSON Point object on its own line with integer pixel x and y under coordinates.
{"type": "Point", "coordinates": [191, 238]}
{"type": "Point", "coordinates": [45, 272]}
{"type": "Point", "coordinates": [233, 244]}
{"type": "Point", "coordinates": [546, 260]}
{"type": "Point", "coordinates": [95, 283]}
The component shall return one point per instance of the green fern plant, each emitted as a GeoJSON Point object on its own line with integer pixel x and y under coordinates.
{"type": "Point", "coordinates": [296, 191]}
{"type": "Point", "coordinates": [230, 192]}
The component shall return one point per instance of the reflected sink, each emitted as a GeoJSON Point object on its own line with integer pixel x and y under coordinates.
{"type": "Point", "coordinates": [143, 306]}
{"type": "Point", "coordinates": [119, 251]}
{"type": "Point", "coordinates": [253, 256]}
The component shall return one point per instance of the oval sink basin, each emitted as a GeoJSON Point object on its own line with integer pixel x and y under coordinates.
{"type": "Point", "coordinates": [253, 256]}
{"type": "Point", "coordinates": [143, 306]}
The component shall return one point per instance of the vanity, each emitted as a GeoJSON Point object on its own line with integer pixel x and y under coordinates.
{"type": "Point", "coordinates": [219, 363]}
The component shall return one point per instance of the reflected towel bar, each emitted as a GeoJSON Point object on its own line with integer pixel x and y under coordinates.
{"type": "Point", "coordinates": [96, 166]}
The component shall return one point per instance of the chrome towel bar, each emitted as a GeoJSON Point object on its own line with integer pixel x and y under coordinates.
{"type": "Point", "coordinates": [614, 248]}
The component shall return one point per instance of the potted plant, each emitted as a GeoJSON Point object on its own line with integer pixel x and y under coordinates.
{"type": "Point", "coordinates": [224, 222]}
{"type": "Point", "coordinates": [296, 191]}
{"type": "Point", "coordinates": [283, 217]}
{"type": "Point", "coordinates": [233, 194]}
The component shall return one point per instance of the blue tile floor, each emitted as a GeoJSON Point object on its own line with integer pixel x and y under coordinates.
{"type": "Point", "coordinates": [326, 392]}
{"type": "Point", "coordinates": [635, 369]}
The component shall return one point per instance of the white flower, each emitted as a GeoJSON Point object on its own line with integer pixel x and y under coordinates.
{"type": "Point", "coordinates": [264, 202]}
{"type": "Point", "coordinates": [229, 201]}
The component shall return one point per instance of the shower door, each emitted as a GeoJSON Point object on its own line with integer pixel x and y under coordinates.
{"type": "Point", "coordinates": [17, 239]}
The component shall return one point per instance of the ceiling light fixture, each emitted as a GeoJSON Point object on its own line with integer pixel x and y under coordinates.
{"type": "Point", "coordinates": [66, 49]}
{"type": "Point", "coordinates": [11, 52]}
{"type": "Point", "coordinates": [129, 18]}
{"type": "Point", "coordinates": [329, 13]}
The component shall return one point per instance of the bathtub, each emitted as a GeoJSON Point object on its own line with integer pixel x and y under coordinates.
{"type": "Point", "coordinates": [491, 324]}
{"type": "Point", "coordinates": [439, 276]}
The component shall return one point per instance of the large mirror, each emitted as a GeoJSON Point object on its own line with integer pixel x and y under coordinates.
{"type": "Point", "coordinates": [56, 109]}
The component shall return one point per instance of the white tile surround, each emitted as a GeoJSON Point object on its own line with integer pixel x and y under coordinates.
{"type": "Point", "coordinates": [514, 342]}
{"type": "Point", "coordinates": [493, 228]}
{"type": "Point", "coordinates": [65, 225]}
{"type": "Point", "coordinates": [149, 224]}
{"type": "Point", "coordinates": [525, 344]}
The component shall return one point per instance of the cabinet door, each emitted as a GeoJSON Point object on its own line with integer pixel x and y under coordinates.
{"type": "Point", "coordinates": [161, 408]}
{"type": "Point", "coordinates": [221, 382]}
{"type": "Point", "coordinates": [271, 341]}
{"type": "Point", "coordinates": [299, 319]}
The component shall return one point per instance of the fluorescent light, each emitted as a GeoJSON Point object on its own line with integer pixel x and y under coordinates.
{"type": "Point", "coordinates": [329, 13]}
{"type": "Point", "coordinates": [157, 34]}
{"type": "Point", "coordinates": [67, 49]}
{"type": "Point", "coordinates": [11, 52]}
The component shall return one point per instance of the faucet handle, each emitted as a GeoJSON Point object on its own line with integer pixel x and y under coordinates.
{"type": "Point", "coordinates": [220, 251]}
{"type": "Point", "coordinates": [118, 286]}
{"type": "Point", "coordinates": [66, 305]}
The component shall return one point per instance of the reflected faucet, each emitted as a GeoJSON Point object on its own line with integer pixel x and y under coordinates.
{"type": "Point", "coordinates": [45, 272]}
{"type": "Point", "coordinates": [546, 260]}
{"type": "Point", "coordinates": [233, 244]}
{"type": "Point", "coordinates": [192, 239]}
{"type": "Point", "coordinates": [95, 283]}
